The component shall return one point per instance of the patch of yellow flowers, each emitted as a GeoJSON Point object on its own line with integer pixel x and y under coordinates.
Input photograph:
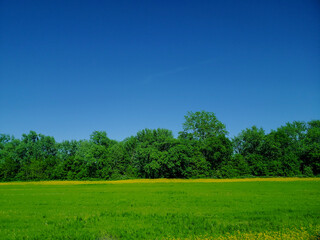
{"type": "Point", "coordinates": [163, 180]}
{"type": "Point", "coordinates": [289, 234]}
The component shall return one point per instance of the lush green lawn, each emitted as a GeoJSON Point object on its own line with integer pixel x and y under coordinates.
{"type": "Point", "coordinates": [157, 210]}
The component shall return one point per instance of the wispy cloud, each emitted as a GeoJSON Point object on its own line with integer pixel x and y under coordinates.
{"type": "Point", "coordinates": [157, 76]}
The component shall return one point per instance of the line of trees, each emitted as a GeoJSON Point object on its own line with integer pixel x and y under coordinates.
{"type": "Point", "coordinates": [202, 149]}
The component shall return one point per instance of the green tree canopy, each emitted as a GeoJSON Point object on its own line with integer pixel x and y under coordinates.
{"type": "Point", "coordinates": [249, 141]}
{"type": "Point", "coordinates": [202, 125]}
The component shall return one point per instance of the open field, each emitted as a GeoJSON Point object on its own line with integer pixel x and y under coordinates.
{"type": "Point", "coordinates": [164, 180]}
{"type": "Point", "coordinates": [161, 209]}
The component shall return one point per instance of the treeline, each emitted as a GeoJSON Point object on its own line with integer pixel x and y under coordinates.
{"type": "Point", "coordinates": [202, 149]}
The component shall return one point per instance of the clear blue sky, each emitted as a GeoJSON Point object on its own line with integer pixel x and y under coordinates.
{"type": "Point", "coordinates": [68, 68]}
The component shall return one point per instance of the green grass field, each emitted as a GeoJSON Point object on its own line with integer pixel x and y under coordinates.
{"type": "Point", "coordinates": [161, 210]}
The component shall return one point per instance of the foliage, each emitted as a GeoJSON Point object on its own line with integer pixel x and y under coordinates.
{"type": "Point", "coordinates": [201, 150]}
{"type": "Point", "coordinates": [249, 141]}
{"type": "Point", "coordinates": [201, 125]}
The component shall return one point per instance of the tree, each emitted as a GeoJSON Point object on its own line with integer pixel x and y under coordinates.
{"type": "Point", "coordinates": [38, 156]}
{"type": "Point", "coordinates": [249, 141]}
{"type": "Point", "coordinates": [9, 158]}
{"type": "Point", "coordinates": [184, 161]}
{"type": "Point", "coordinates": [216, 150]}
{"type": "Point", "coordinates": [202, 125]}
{"type": "Point", "coordinates": [67, 149]}
{"type": "Point", "coordinates": [150, 136]}
{"type": "Point", "coordinates": [100, 138]}
{"type": "Point", "coordinates": [311, 148]}
{"type": "Point", "coordinates": [147, 149]}
{"type": "Point", "coordinates": [4, 139]}
{"type": "Point", "coordinates": [283, 149]}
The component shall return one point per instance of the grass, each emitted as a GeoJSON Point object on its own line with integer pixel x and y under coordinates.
{"type": "Point", "coordinates": [161, 209]}
{"type": "Point", "coordinates": [164, 180]}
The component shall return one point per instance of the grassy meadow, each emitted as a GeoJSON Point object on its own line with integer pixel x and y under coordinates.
{"type": "Point", "coordinates": [277, 208]}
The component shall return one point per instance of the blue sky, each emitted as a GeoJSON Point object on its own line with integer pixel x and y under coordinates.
{"type": "Point", "coordinates": [68, 68]}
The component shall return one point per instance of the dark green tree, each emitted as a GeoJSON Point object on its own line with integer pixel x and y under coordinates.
{"type": "Point", "coordinates": [217, 150]}
{"type": "Point", "coordinates": [249, 141]}
{"type": "Point", "coordinates": [202, 125]}
{"type": "Point", "coordinates": [311, 149]}
{"type": "Point", "coordinates": [9, 158]}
